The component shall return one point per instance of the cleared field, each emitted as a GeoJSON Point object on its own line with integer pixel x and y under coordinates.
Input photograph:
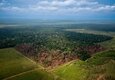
{"type": "Point", "coordinates": [109, 44]}
{"type": "Point", "coordinates": [102, 57]}
{"type": "Point", "coordinates": [15, 66]}
{"type": "Point", "coordinates": [99, 67]}
{"type": "Point", "coordinates": [72, 71]}
{"type": "Point", "coordinates": [102, 66]}
{"type": "Point", "coordinates": [36, 74]}
{"type": "Point", "coordinates": [12, 63]}
{"type": "Point", "coordinates": [92, 32]}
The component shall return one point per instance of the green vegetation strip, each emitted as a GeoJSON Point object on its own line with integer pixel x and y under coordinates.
{"type": "Point", "coordinates": [100, 66]}
{"type": "Point", "coordinates": [12, 63]}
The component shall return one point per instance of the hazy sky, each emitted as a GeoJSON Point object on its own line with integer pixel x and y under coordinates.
{"type": "Point", "coordinates": [58, 9]}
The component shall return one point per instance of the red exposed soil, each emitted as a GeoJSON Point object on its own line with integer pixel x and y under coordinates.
{"type": "Point", "coordinates": [53, 58]}
{"type": "Point", "coordinates": [91, 49]}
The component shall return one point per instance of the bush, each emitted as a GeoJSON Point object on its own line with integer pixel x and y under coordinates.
{"type": "Point", "coordinates": [83, 55]}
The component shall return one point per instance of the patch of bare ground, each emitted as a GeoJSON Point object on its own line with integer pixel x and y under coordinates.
{"type": "Point", "coordinates": [91, 49]}
{"type": "Point", "coordinates": [54, 58]}
{"type": "Point", "coordinates": [101, 77]}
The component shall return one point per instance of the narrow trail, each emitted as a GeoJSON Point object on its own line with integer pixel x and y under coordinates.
{"type": "Point", "coordinates": [19, 74]}
{"type": "Point", "coordinates": [37, 66]}
{"type": "Point", "coordinates": [101, 77]}
{"type": "Point", "coordinates": [65, 64]}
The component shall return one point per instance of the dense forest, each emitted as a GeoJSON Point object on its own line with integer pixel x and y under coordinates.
{"type": "Point", "coordinates": [49, 45]}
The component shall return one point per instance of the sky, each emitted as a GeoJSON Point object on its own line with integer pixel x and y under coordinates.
{"type": "Point", "coordinates": [58, 9]}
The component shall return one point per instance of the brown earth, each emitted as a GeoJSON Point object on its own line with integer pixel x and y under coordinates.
{"type": "Point", "coordinates": [53, 58]}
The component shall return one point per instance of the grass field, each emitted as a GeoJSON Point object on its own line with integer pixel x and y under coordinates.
{"type": "Point", "coordinates": [102, 57]}
{"type": "Point", "coordinates": [72, 71]}
{"type": "Point", "coordinates": [12, 63]}
{"type": "Point", "coordinates": [100, 66]}
{"type": "Point", "coordinates": [15, 66]}
{"type": "Point", "coordinates": [109, 44]}
{"type": "Point", "coordinates": [36, 74]}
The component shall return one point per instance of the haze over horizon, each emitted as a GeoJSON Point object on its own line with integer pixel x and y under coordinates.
{"type": "Point", "coordinates": [58, 9]}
